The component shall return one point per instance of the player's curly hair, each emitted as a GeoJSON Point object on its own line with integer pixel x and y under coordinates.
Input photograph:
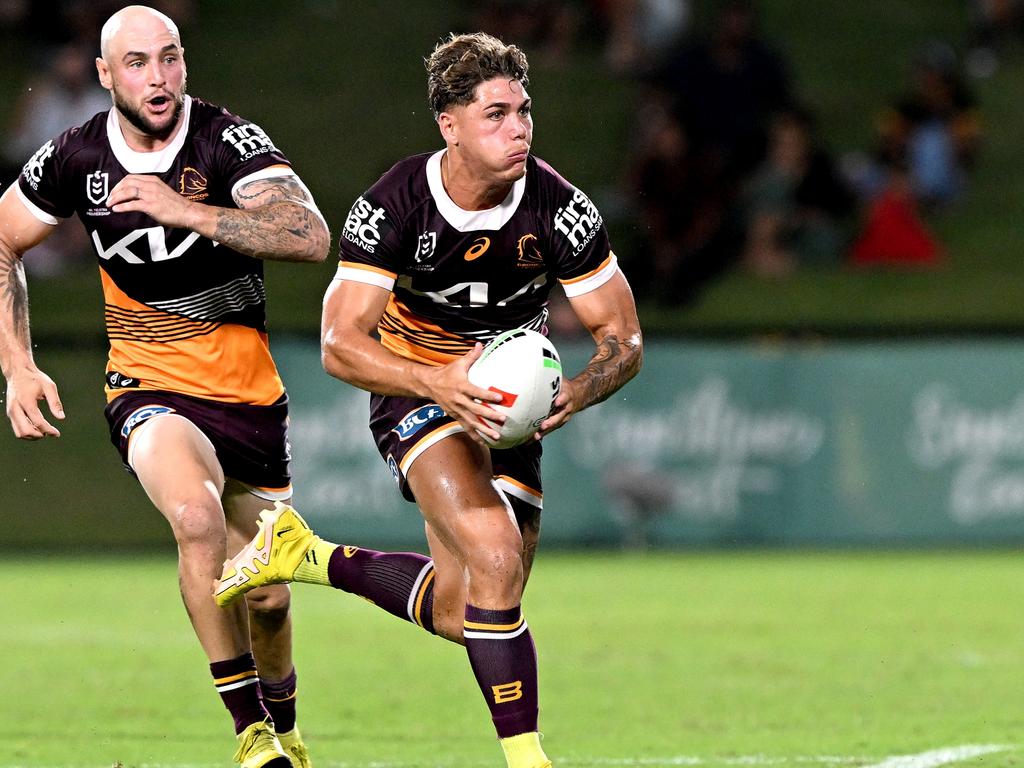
{"type": "Point", "coordinates": [460, 63]}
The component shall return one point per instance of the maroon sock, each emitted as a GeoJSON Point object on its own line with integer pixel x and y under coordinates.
{"type": "Point", "coordinates": [239, 688]}
{"type": "Point", "coordinates": [402, 583]}
{"type": "Point", "coordinates": [504, 660]}
{"type": "Point", "coordinates": [279, 699]}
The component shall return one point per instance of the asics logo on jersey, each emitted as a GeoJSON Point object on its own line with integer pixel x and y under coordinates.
{"type": "Point", "coordinates": [33, 169]}
{"type": "Point", "coordinates": [97, 187]}
{"type": "Point", "coordinates": [578, 220]}
{"type": "Point", "coordinates": [365, 225]}
{"type": "Point", "coordinates": [249, 139]}
{"type": "Point", "coordinates": [478, 249]}
{"type": "Point", "coordinates": [155, 239]}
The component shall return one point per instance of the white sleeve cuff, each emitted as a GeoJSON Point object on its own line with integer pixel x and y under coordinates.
{"type": "Point", "coordinates": [34, 209]}
{"type": "Point", "coordinates": [592, 280]}
{"type": "Point", "coordinates": [365, 274]}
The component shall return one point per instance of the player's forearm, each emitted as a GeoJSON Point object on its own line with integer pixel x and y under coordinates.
{"type": "Point", "coordinates": [364, 362]}
{"type": "Point", "coordinates": [15, 342]}
{"type": "Point", "coordinates": [615, 363]}
{"type": "Point", "coordinates": [280, 231]}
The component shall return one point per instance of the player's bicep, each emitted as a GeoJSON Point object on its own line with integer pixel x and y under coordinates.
{"type": "Point", "coordinates": [266, 190]}
{"type": "Point", "coordinates": [20, 228]}
{"type": "Point", "coordinates": [350, 306]}
{"type": "Point", "coordinates": [608, 310]}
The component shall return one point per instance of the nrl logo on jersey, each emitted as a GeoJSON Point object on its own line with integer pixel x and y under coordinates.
{"type": "Point", "coordinates": [97, 187]}
{"type": "Point", "coordinates": [425, 247]}
{"type": "Point", "coordinates": [33, 170]}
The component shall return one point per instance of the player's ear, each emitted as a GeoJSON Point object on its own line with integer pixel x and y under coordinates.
{"type": "Point", "coordinates": [104, 73]}
{"type": "Point", "coordinates": [449, 128]}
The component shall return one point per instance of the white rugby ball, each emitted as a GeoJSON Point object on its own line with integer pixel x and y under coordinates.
{"type": "Point", "coordinates": [524, 368]}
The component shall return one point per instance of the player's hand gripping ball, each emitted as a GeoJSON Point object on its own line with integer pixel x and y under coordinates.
{"type": "Point", "coordinates": [523, 367]}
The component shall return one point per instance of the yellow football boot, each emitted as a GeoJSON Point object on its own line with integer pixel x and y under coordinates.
{"type": "Point", "coordinates": [258, 746]}
{"type": "Point", "coordinates": [524, 751]}
{"type": "Point", "coordinates": [292, 743]}
{"type": "Point", "coordinates": [270, 558]}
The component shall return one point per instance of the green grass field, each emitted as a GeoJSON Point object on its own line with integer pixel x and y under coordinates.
{"type": "Point", "coordinates": [790, 659]}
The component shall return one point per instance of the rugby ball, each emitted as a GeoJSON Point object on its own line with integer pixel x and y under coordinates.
{"type": "Point", "coordinates": [523, 367]}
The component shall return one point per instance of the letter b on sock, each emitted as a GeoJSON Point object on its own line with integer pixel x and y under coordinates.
{"type": "Point", "coordinates": [507, 692]}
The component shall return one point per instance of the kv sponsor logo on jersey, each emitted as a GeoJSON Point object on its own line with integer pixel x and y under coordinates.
{"type": "Point", "coordinates": [416, 420]}
{"type": "Point", "coordinates": [97, 187]}
{"type": "Point", "coordinates": [155, 239]}
{"type": "Point", "coordinates": [366, 225]}
{"type": "Point", "coordinates": [33, 169]}
{"type": "Point", "coordinates": [425, 247]}
{"type": "Point", "coordinates": [249, 139]}
{"type": "Point", "coordinates": [578, 220]}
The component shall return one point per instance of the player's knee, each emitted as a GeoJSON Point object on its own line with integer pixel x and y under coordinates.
{"type": "Point", "coordinates": [269, 606]}
{"type": "Point", "coordinates": [198, 524]}
{"type": "Point", "coordinates": [496, 566]}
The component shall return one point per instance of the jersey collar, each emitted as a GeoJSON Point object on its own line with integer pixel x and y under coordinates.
{"type": "Point", "coordinates": [147, 162]}
{"type": "Point", "coordinates": [471, 221]}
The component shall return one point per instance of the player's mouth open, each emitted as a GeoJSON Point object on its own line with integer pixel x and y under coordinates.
{"type": "Point", "coordinates": [158, 103]}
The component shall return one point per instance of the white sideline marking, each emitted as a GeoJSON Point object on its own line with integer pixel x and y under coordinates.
{"type": "Point", "coordinates": [938, 757]}
{"type": "Point", "coordinates": [931, 759]}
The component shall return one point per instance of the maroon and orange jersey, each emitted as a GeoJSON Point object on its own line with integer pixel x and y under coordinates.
{"type": "Point", "coordinates": [457, 276]}
{"type": "Point", "coordinates": [183, 313]}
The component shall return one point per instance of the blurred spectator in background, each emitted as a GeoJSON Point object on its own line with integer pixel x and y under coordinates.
{"type": "Point", "coordinates": [894, 234]}
{"type": "Point", "coordinates": [933, 129]}
{"type": "Point", "coordinates": [700, 134]}
{"type": "Point", "coordinates": [796, 204]}
{"type": "Point", "coordinates": [726, 85]}
{"type": "Point", "coordinates": [642, 33]}
{"type": "Point", "coordinates": [993, 22]}
{"type": "Point", "coordinates": [927, 143]}
{"type": "Point", "coordinates": [932, 132]}
{"type": "Point", "coordinates": [547, 26]}
{"type": "Point", "coordinates": [683, 207]}
{"type": "Point", "coordinates": [66, 93]}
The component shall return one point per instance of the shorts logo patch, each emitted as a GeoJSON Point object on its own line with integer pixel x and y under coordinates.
{"type": "Point", "coordinates": [393, 466]}
{"type": "Point", "coordinates": [141, 415]}
{"type": "Point", "coordinates": [416, 420]}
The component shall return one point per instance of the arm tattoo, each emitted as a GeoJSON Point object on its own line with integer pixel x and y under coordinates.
{"type": "Point", "coordinates": [13, 298]}
{"type": "Point", "coordinates": [277, 219]}
{"type": "Point", "coordinates": [609, 369]}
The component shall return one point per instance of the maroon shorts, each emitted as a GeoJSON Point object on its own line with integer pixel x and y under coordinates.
{"type": "Point", "coordinates": [251, 441]}
{"type": "Point", "coordinates": [404, 427]}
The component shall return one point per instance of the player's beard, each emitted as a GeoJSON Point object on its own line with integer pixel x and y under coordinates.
{"type": "Point", "coordinates": [138, 120]}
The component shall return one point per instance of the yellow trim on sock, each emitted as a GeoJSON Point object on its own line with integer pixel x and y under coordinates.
{"type": "Point", "coordinates": [524, 751]}
{"type": "Point", "coordinates": [313, 568]}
